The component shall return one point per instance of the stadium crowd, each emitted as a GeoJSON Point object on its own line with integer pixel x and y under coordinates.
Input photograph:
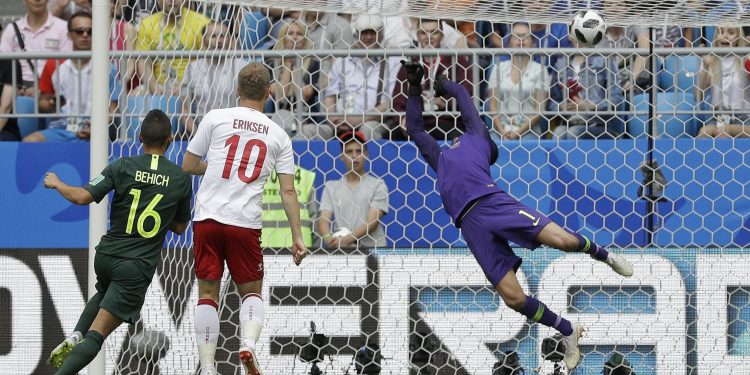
{"type": "Point", "coordinates": [317, 95]}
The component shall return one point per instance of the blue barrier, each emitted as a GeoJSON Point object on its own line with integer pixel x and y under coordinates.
{"type": "Point", "coordinates": [586, 186]}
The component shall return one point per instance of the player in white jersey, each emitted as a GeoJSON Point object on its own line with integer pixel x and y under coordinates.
{"type": "Point", "coordinates": [241, 146]}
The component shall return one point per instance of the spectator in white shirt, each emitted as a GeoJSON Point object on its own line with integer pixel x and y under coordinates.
{"type": "Point", "coordinates": [726, 79]}
{"type": "Point", "coordinates": [69, 81]}
{"type": "Point", "coordinates": [519, 88]}
{"type": "Point", "coordinates": [361, 87]}
{"type": "Point", "coordinates": [210, 82]}
{"type": "Point", "coordinates": [41, 32]}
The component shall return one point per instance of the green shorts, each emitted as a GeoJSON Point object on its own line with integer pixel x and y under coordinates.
{"type": "Point", "coordinates": [123, 284]}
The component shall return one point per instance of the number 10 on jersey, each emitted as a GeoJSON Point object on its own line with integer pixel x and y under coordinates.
{"type": "Point", "coordinates": [233, 143]}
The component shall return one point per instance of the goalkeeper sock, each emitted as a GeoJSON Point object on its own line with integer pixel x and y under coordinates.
{"type": "Point", "coordinates": [206, 330]}
{"type": "Point", "coordinates": [251, 318]}
{"type": "Point", "coordinates": [89, 314]}
{"type": "Point", "coordinates": [539, 312]}
{"type": "Point", "coordinates": [595, 251]}
{"type": "Point", "coordinates": [82, 354]}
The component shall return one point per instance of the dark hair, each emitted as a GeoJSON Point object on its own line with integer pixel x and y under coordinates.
{"type": "Point", "coordinates": [253, 81]}
{"type": "Point", "coordinates": [352, 136]}
{"type": "Point", "coordinates": [156, 128]}
{"type": "Point", "coordinates": [80, 13]}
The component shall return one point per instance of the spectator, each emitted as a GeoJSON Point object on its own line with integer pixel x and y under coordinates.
{"type": "Point", "coordinates": [631, 69]}
{"type": "Point", "coordinates": [359, 85]}
{"type": "Point", "coordinates": [210, 82]}
{"type": "Point", "coordinates": [584, 80]}
{"type": "Point", "coordinates": [672, 36]}
{"type": "Point", "coordinates": [276, 231]}
{"type": "Point", "coordinates": [122, 38]}
{"type": "Point", "coordinates": [726, 79]}
{"type": "Point", "coordinates": [174, 28]}
{"type": "Point", "coordinates": [355, 203]}
{"type": "Point", "coordinates": [65, 8]}
{"type": "Point", "coordinates": [399, 33]}
{"type": "Point", "coordinates": [442, 126]}
{"type": "Point", "coordinates": [328, 31]}
{"type": "Point", "coordinates": [70, 81]}
{"type": "Point", "coordinates": [295, 80]}
{"type": "Point", "coordinates": [40, 32]}
{"type": "Point", "coordinates": [518, 90]}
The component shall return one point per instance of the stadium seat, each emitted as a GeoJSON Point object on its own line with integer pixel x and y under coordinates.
{"type": "Point", "coordinates": [668, 123]}
{"type": "Point", "coordinates": [680, 73]}
{"type": "Point", "coordinates": [27, 125]}
{"type": "Point", "coordinates": [137, 106]}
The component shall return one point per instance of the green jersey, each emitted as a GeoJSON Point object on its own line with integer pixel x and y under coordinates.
{"type": "Point", "coordinates": [151, 192]}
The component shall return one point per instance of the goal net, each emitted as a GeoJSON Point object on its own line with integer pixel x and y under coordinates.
{"type": "Point", "coordinates": [639, 151]}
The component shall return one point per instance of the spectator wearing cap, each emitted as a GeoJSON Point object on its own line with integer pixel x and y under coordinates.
{"type": "Point", "coordinates": [359, 87]}
{"type": "Point", "coordinates": [38, 31]}
{"type": "Point", "coordinates": [351, 208]}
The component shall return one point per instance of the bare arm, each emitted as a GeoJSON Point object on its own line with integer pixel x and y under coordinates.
{"type": "Point", "coordinates": [291, 207]}
{"type": "Point", "coordinates": [497, 118]}
{"type": "Point", "coordinates": [59, 8]}
{"type": "Point", "coordinates": [324, 223]}
{"type": "Point", "coordinates": [74, 194]}
{"type": "Point", "coordinates": [541, 97]}
{"type": "Point", "coordinates": [187, 115]}
{"type": "Point", "coordinates": [284, 87]}
{"type": "Point", "coordinates": [6, 103]}
{"type": "Point", "coordinates": [640, 61]}
{"type": "Point", "coordinates": [372, 223]}
{"type": "Point", "coordinates": [130, 65]}
{"type": "Point", "coordinates": [329, 105]}
{"type": "Point", "coordinates": [193, 164]}
{"type": "Point", "coordinates": [147, 76]}
{"type": "Point", "coordinates": [382, 107]}
{"type": "Point", "coordinates": [308, 92]}
{"type": "Point", "coordinates": [704, 79]}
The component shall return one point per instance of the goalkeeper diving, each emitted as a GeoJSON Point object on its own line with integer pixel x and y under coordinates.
{"type": "Point", "coordinates": [487, 215]}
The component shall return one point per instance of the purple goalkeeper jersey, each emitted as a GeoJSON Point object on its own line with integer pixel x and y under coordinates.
{"type": "Point", "coordinates": [463, 168]}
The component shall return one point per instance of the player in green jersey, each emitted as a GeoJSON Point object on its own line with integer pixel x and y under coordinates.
{"type": "Point", "coordinates": [152, 195]}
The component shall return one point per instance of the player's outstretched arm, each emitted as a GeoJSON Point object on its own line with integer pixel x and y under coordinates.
{"type": "Point", "coordinates": [74, 194]}
{"type": "Point", "coordinates": [449, 89]}
{"type": "Point", "coordinates": [291, 207]}
{"type": "Point", "coordinates": [193, 164]}
{"type": "Point", "coordinates": [414, 120]}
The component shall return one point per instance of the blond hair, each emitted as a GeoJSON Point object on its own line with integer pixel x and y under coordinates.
{"type": "Point", "coordinates": [713, 66]}
{"type": "Point", "coordinates": [306, 42]}
{"type": "Point", "coordinates": [253, 81]}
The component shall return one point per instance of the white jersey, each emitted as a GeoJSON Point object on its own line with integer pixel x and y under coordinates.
{"type": "Point", "coordinates": [241, 146]}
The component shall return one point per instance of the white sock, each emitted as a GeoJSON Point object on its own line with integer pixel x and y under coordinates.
{"type": "Point", "coordinates": [206, 330]}
{"type": "Point", "coordinates": [251, 318]}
